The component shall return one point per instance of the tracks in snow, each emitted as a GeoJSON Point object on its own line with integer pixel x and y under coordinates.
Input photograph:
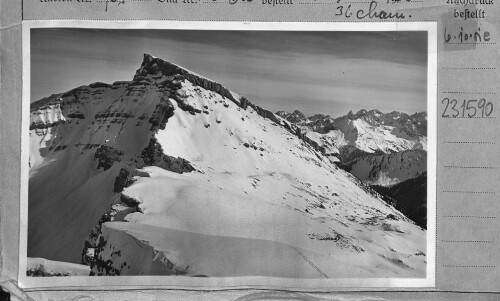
{"type": "Point", "coordinates": [310, 263]}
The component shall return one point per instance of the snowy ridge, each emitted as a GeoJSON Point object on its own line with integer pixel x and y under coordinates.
{"type": "Point", "coordinates": [173, 174]}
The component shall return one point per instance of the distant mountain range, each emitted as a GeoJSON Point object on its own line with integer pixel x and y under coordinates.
{"type": "Point", "coordinates": [366, 132]}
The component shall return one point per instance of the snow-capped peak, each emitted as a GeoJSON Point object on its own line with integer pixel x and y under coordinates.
{"type": "Point", "coordinates": [296, 116]}
{"type": "Point", "coordinates": [175, 174]}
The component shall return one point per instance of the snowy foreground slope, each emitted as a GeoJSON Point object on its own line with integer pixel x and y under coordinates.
{"type": "Point", "coordinates": [173, 174]}
{"type": "Point", "coordinates": [42, 267]}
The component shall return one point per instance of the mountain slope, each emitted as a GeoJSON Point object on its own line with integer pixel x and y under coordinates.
{"type": "Point", "coordinates": [173, 174]}
{"type": "Point", "coordinates": [379, 149]}
{"type": "Point", "coordinates": [409, 196]}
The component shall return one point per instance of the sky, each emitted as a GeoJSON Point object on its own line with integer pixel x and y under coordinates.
{"type": "Point", "coordinates": [314, 72]}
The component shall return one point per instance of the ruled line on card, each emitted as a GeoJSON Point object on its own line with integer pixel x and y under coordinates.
{"type": "Point", "coordinates": [469, 68]}
{"type": "Point", "coordinates": [469, 216]}
{"type": "Point", "coordinates": [468, 266]}
{"type": "Point", "coordinates": [468, 192]}
{"type": "Point", "coordinates": [469, 142]}
{"type": "Point", "coordinates": [474, 43]}
{"type": "Point", "coordinates": [469, 167]}
{"type": "Point", "coordinates": [485, 117]}
{"type": "Point", "coordinates": [468, 241]}
{"type": "Point", "coordinates": [469, 92]}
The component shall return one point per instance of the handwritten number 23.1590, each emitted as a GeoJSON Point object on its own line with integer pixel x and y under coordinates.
{"type": "Point", "coordinates": [468, 108]}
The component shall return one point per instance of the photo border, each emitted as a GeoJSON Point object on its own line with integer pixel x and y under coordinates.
{"type": "Point", "coordinates": [228, 283]}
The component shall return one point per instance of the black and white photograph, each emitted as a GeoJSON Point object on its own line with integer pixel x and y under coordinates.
{"type": "Point", "coordinates": [189, 153]}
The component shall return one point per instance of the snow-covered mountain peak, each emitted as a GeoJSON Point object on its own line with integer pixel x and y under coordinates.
{"type": "Point", "coordinates": [317, 117]}
{"type": "Point", "coordinates": [296, 116]}
{"type": "Point", "coordinates": [360, 113]}
{"type": "Point", "coordinates": [170, 172]}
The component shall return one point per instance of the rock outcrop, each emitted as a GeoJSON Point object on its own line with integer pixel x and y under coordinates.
{"type": "Point", "coordinates": [156, 68]}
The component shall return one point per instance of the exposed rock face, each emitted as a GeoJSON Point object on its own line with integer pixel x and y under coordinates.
{"type": "Point", "coordinates": [155, 67]}
{"type": "Point", "coordinates": [126, 176]}
{"type": "Point", "coordinates": [297, 116]}
{"type": "Point", "coordinates": [244, 103]}
{"type": "Point", "coordinates": [339, 239]}
{"type": "Point", "coordinates": [77, 115]}
{"type": "Point", "coordinates": [95, 242]}
{"type": "Point", "coordinates": [317, 117]}
{"type": "Point", "coordinates": [153, 156]}
{"type": "Point", "coordinates": [163, 111]}
{"type": "Point", "coordinates": [106, 156]}
{"type": "Point", "coordinates": [42, 126]}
